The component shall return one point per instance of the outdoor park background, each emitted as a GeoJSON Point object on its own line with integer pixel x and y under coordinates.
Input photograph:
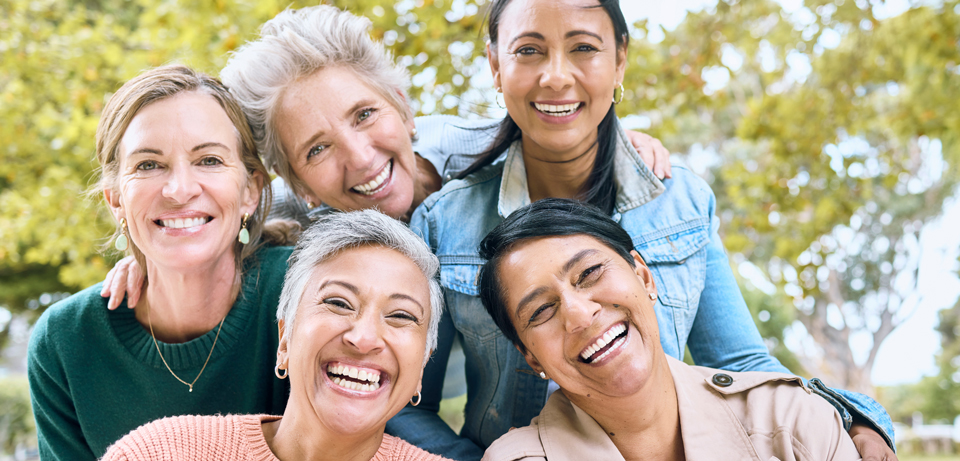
{"type": "Point", "coordinates": [828, 129]}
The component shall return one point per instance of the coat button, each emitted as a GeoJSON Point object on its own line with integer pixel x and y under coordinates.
{"type": "Point", "coordinates": [722, 380]}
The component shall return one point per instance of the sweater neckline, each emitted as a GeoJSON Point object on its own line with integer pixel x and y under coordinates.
{"type": "Point", "coordinates": [192, 354]}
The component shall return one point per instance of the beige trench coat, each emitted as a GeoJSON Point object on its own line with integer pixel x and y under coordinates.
{"type": "Point", "coordinates": [723, 416]}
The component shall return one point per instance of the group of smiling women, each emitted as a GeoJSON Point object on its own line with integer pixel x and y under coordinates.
{"type": "Point", "coordinates": [571, 261]}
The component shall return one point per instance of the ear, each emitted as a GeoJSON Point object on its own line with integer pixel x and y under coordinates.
{"type": "Point", "coordinates": [113, 201]}
{"type": "Point", "coordinates": [494, 61]}
{"type": "Point", "coordinates": [282, 348]}
{"type": "Point", "coordinates": [251, 193]}
{"type": "Point", "coordinates": [531, 359]}
{"type": "Point", "coordinates": [621, 63]}
{"type": "Point", "coordinates": [643, 273]}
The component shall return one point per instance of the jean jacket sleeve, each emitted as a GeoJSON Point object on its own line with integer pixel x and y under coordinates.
{"type": "Point", "coordinates": [725, 336]}
{"type": "Point", "coordinates": [421, 425]}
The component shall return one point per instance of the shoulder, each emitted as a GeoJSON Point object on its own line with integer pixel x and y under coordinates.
{"type": "Point", "coordinates": [79, 312]}
{"type": "Point", "coordinates": [393, 448]}
{"type": "Point", "coordinates": [189, 437]}
{"type": "Point", "coordinates": [478, 187]}
{"type": "Point", "coordinates": [517, 444]}
{"type": "Point", "coordinates": [685, 185]}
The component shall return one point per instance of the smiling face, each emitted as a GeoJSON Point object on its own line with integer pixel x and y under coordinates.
{"type": "Point", "coordinates": [356, 352]}
{"type": "Point", "coordinates": [583, 314]}
{"type": "Point", "coordinates": [557, 63]}
{"type": "Point", "coordinates": [182, 186]}
{"type": "Point", "coordinates": [349, 145]}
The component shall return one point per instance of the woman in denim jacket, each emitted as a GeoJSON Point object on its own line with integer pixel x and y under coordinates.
{"type": "Point", "coordinates": [558, 64]}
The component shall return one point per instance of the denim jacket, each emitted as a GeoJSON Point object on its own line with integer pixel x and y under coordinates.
{"type": "Point", "coordinates": [674, 228]}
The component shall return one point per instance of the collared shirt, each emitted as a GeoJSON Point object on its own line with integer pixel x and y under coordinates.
{"type": "Point", "coordinates": [674, 228]}
{"type": "Point", "coordinates": [743, 416]}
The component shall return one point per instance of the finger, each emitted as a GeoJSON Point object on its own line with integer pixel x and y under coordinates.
{"type": "Point", "coordinates": [645, 149]}
{"type": "Point", "coordinates": [662, 158]}
{"type": "Point", "coordinates": [134, 285]}
{"type": "Point", "coordinates": [105, 289]}
{"type": "Point", "coordinates": [117, 285]}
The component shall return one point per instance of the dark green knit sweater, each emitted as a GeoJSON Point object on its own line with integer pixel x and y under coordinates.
{"type": "Point", "coordinates": [95, 374]}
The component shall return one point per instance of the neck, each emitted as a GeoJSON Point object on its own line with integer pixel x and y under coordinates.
{"type": "Point", "coordinates": [300, 437]}
{"type": "Point", "coordinates": [645, 425]}
{"type": "Point", "coordinates": [558, 175]}
{"type": "Point", "coordinates": [186, 305]}
{"type": "Point", "coordinates": [427, 182]}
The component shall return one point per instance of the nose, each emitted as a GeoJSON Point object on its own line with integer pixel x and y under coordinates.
{"type": "Point", "coordinates": [182, 184]}
{"type": "Point", "coordinates": [358, 151]}
{"type": "Point", "coordinates": [365, 335]}
{"type": "Point", "coordinates": [579, 311]}
{"type": "Point", "coordinates": [556, 73]}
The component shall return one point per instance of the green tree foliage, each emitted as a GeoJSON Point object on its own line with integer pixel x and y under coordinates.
{"type": "Point", "coordinates": [833, 140]}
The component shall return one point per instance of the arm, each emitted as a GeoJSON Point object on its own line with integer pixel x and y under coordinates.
{"type": "Point", "coordinates": [421, 425]}
{"type": "Point", "coordinates": [725, 336]}
{"type": "Point", "coordinates": [58, 429]}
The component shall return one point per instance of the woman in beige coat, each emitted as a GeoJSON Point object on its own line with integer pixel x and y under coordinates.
{"type": "Point", "coordinates": [563, 284]}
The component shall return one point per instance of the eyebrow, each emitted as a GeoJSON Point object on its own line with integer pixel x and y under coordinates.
{"type": "Point", "coordinates": [565, 269]}
{"type": "Point", "coordinates": [306, 144]}
{"type": "Point", "coordinates": [353, 288]}
{"type": "Point", "coordinates": [198, 147]}
{"type": "Point", "coordinates": [571, 34]}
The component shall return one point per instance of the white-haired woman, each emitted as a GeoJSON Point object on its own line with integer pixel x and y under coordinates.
{"type": "Point", "coordinates": [357, 318]}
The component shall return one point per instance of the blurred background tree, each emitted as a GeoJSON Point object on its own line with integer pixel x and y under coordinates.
{"type": "Point", "coordinates": [829, 136]}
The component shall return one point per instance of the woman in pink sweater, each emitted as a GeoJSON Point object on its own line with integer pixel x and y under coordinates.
{"type": "Point", "coordinates": [358, 319]}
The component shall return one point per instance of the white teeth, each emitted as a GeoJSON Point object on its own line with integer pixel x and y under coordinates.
{"type": "Point", "coordinates": [353, 372]}
{"type": "Point", "coordinates": [613, 332]}
{"type": "Point", "coordinates": [371, 187]}
{"type": "Point", "coordinates": [362, 376]}
{"type": "Point", "coordinates": [371, 378]}
{"type": "Point", "coordinates": [181, 223]}
{"type": "Point", "coordinates": [562, 110]}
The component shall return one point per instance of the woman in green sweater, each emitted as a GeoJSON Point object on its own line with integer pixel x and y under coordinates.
{"type": "Point", "coordinates": [180, 173]}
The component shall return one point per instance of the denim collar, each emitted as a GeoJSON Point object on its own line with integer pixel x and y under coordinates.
{"type": "Point", "coordinates": [636, 184]}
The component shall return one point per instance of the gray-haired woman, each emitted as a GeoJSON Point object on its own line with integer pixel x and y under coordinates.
{"type": "Point", "coordinates": [358, 317]}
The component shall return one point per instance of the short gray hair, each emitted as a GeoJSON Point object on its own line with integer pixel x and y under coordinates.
{"type": "Point", "coordinates": [293, 45]}
{"type": "Point", "coordinates": [332, 234]}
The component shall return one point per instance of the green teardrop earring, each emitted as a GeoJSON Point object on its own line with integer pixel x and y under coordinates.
{"type": "Point", "coordinates": [244, 236]}
{"type": "Point", "coordinates": [121, 243]}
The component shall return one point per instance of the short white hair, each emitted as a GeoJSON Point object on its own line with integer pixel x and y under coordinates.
{"type": "Point", "coordinates": [332, 234]}
{"type": "Point", "coordinates": [296, 44]}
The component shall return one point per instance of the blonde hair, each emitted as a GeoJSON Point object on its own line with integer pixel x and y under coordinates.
{"type": "Point", "coordinates": [296, 44]}
{"type": "Point", "coordinates": [161, 83]}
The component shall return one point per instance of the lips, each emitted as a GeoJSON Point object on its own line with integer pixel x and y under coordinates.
{"type": "Point", "coordinates": [375, 184]}
{"type": "Point", "coordinates": [354, 378]}
{"type": "Point", "coordinates": [611, 340]}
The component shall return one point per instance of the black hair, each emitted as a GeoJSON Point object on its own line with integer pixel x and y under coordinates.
{"type": "Point", "coordinates": [600, 189]}
{"type": "Point", "coordinates": [544, 218]}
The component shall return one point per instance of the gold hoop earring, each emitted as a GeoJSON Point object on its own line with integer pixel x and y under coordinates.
{"type": "Point", "coordinates": [121, 243]}
{"type": "Point", "coordinates": [419, 398]}
{"type": "Point", "coordinates": [276, 371]}
{"type": "Point", "coordinates": [496, 98]}
{"type": "Point", "coordinates": [244, 236]}
{"type": "Point", "coordinates": [616, 98]}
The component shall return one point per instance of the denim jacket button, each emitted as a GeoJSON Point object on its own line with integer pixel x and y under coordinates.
{"type": "Point", "coordinates": [722, 380]}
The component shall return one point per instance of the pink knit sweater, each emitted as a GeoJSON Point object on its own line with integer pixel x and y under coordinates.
{"type": "Point", "coordinates": [232, 437]}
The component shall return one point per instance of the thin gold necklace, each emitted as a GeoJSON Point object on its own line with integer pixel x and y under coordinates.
{"type": "Point", "coordinates": [191, 383]}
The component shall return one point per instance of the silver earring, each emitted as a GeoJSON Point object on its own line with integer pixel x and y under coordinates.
{"type": "Point", "coordinates": [276, 371]}
{"type": "Point", "coordinates": [419, 397]}
{"type": "Point", "coordinates": [413, 133]}
{"type": "Point", "coordinates": [543, 375]}
{"type": "Point", "coordinates": [653, 296]}
{"type": "Point", "coordinates": [496, 98]}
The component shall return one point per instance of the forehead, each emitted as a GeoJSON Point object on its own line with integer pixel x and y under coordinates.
{"type": "Point", "coordinates": [327, 91]}
{"type": "Point", "coordinates": [553, 17]}
{"type": "Point", "coordinates": [192, 117]}
{"type": "Point", "coordinates": [375, 271]}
